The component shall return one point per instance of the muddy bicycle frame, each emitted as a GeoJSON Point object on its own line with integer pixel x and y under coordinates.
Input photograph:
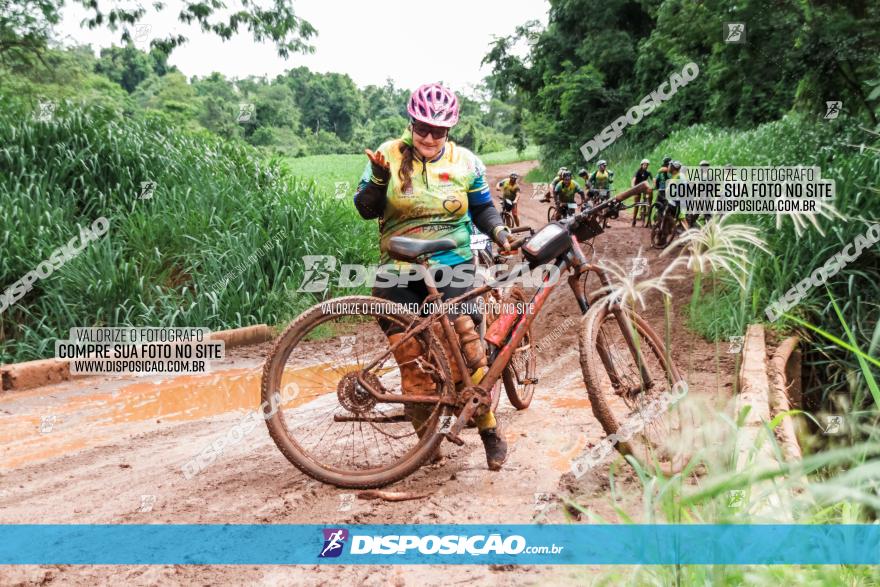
{"type": "Point", "coordinates": [477, 397]}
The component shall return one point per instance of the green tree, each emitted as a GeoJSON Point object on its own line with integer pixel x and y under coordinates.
{"type": "Point", "coordinates": [26, 24]}
{"type": "Point", "coordinates": [219, 105]}
{"type": "Point", "coordinates": [594, 61]}
{"type": "Point", "coordinates": [172, 95]}
{"type": "Point", "coordinates": [126, 66]}
{"type": "Point", "coordinates": [328, 102]}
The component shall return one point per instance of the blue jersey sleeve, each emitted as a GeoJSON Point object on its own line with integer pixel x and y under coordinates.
{"type": "Point", "coordinates": [478, 191]}
{"type": "Point", "coordinates": [365, 176]}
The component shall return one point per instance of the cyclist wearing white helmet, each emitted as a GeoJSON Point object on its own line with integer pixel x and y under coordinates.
{"type": "Point", "coordinates": [562, 171]}
{"type": "Point", "coordinates": [553, 183]}
{"type": "Point", "coordinates": [602, 178]}
{"type": "Point", "coordinates": [641, 175]}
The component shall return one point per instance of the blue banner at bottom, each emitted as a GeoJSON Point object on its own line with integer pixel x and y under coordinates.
{"type": "Point", "coordinates": [439, 544]}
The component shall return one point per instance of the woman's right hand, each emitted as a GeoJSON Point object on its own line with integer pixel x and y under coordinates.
{"type": "Point", "coordinates": [381, 169]}
{"type": "Point", "coordinates": [377, 159]}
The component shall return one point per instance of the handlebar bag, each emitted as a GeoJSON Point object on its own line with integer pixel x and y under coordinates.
{"type": "Point", "coordinates": [548, 243]}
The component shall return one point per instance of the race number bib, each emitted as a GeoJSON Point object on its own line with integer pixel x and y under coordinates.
{"type": "Point", "coordinates": [479, 242]}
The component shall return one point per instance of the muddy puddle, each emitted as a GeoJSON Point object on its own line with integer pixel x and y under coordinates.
{"type": "Point", "coordinates": [31, 432]}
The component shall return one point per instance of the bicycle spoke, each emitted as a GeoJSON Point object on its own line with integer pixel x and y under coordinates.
{"type": "Point", "coordinates": [335, 423]}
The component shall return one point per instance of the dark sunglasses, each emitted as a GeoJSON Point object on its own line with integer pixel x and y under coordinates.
{"type": "Point", "coordinates": [424, 130]}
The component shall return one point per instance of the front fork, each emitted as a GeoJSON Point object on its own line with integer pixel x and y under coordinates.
{"type": "Point", "coordinates": [576, 258]}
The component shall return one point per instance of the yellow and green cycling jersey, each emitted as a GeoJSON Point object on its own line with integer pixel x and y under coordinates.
{"type": "Point", "coordinates": [601, 180]}
{"type": "Point", "coordinates": [436, 206]}
{"type": "Point", "coordinates": [508, 190]}
{"type": "Point", "coordinates": [566, 193]}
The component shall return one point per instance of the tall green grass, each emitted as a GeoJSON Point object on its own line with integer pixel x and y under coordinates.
{"type": "Point", "coordinates": [837, 486]}
{"type": "Point", "coordinates": [215, 205]}
{"type": "Point", "coordinates": [835, 147]}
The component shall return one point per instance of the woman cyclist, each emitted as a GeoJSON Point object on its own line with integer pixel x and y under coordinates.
{"type": "Point", "coordinates": [641, 175]}
{"type": "Point", "coordinates": [424, 186]}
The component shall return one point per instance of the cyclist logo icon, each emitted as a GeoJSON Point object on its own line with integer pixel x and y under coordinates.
{"type": "Point", "coordinates": [47, 110]}
{"type": "Point", "coordinates": [832, 109]}
{"type": "Point", "coordinates": [317, 275]}
{"type": "Point", "coordinates": [735, 32]}
{"type": "Point", "coordinates": [334, 540]}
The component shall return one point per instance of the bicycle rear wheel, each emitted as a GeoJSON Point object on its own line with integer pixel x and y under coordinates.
{"type": "Point", "coordinates": [320, 416]}
{"type": "Point", "coordinates": [648, 419]}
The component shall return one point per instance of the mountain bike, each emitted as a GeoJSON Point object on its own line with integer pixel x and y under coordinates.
{"type": "Point", "coordinates": [598, 196]}
{"type": "Point", "coordinates": [595, 197]}
{"type": "Point", "coordinates": [507, 213]}
{"type": "Point", "coordinates": [346, 422]}
{"type": "Point", "coordinates": [515, 377]}
{"type": "Point", "coordinates": [561, 210]}
{"type": "Point", "coordinates": [667, 225]}
{"type": "Point", "coordinates": [645, 209]}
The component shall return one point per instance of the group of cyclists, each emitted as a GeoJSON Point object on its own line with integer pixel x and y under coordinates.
{"type": "Point", "coordinates": [565, 190]}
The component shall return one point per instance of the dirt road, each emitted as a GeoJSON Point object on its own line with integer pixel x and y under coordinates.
{"type": "Point", "coordinates": [111, 451]}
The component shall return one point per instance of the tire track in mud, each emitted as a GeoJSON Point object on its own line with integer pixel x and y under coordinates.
{"type": "Point", "coordinates": [104, 479]}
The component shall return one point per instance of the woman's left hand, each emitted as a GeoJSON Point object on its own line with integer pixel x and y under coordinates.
{"type": "Point", "coordinates": [503, 238]}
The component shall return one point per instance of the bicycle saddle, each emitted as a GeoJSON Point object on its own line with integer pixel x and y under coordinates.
{"type": "Point", "coordinates": [404, 248]}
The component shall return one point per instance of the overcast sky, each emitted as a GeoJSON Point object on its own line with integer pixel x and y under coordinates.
{"type": "Point", "coordinates": [410, 42]}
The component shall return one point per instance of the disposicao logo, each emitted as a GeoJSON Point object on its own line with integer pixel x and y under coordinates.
{"type": "Point", "coordinates": [334, 541]}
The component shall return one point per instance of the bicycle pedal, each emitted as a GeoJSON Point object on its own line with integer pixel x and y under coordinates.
{"type": "Point", "coordinates": [450, 428]}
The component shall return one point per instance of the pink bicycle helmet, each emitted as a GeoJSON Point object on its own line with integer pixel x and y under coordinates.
{"type": "Point", "coordinates": [435, 105]}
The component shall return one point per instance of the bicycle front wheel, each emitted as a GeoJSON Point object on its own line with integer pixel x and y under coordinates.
{"type": "Point", "coordinates": [521, 371]}
{"type": "Point", "coordinates": [635, 389]}
{"type": "Point", "coordinates": [551, 213]}
{"type": "Point", "coordinates": [507, 218]}
{"type": "Point", "coordinates": [321, 416]}
{"type": "Point", "coordinates": [660, 231]}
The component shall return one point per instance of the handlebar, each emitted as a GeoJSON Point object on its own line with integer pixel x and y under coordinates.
{"type": "Point", "coordinates": [574, 220]}
{"type": "Point", "coordinates": [638, 189]}
{"type": "Point", "coordinates": [514, 245]}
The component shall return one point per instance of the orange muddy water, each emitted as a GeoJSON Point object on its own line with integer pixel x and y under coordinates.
{"type": "Point", "coordinates": [86, 420]}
